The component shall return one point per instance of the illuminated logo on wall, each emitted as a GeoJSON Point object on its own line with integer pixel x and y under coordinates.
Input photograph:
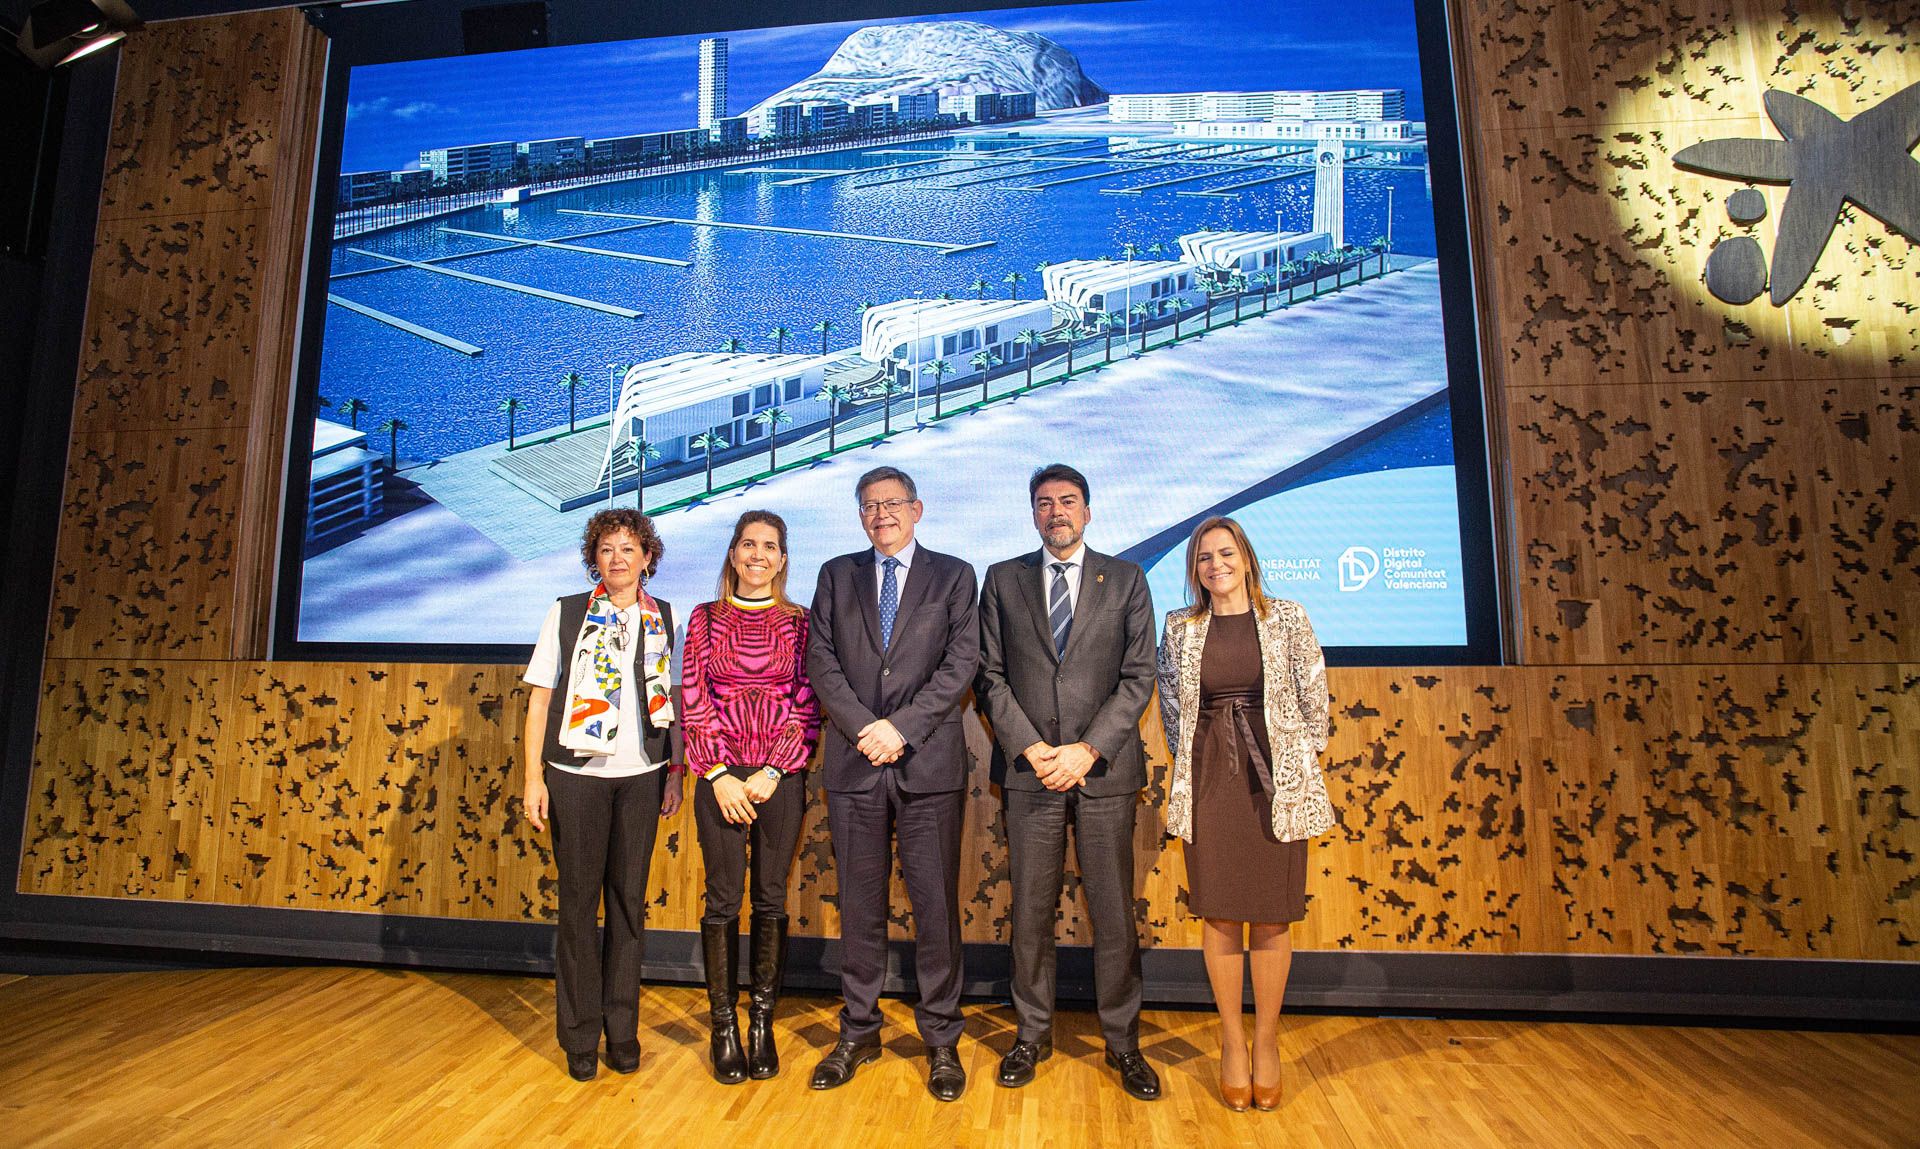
{"type": "Point", "coordinates": [1826, 162]}
{"type": "Point", "coordinates": [1358, 565]}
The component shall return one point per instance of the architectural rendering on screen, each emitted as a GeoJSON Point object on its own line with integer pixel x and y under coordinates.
{"type": "Point", "coordinates": [1188, 248]}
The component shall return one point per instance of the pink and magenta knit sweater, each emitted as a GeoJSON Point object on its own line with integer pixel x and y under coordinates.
{"type": "Point", "coordinates": [745, 697]}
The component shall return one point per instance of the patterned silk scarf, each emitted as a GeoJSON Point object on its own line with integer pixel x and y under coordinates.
{"type": "Point", "coordinates": [594, 682]}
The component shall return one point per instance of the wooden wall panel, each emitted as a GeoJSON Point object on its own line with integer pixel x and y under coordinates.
{"type": "Point", "coordinates": [144, 561]}
{"type": "Point", "coordinates": [171, 323]}
{"type": "Point", "coordinates": [1539, 65]}
{"type": "Point", "coordinates": [1772, 522]}
{"type": "Point", "coordinates": [195, 130]}
{"type": "Point", "coordinates": [1712, 751]}
{"type": "Point", "coordinates": [1735, 810]}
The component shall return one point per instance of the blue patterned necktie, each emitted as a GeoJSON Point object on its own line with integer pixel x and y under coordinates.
{"type": "Point", "coordinates": [889, 600]}
{"type": "Point", "coordinates": [1059, 608]}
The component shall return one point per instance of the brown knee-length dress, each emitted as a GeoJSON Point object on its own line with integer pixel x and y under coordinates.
{"type": "Point", "coordinates": [1236, 869]}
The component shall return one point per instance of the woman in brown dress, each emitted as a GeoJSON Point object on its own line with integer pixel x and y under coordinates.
{"type": "Point", "coordinates": [1243, 694]}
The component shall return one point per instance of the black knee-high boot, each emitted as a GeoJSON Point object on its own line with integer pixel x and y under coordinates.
{"type": "Point", "coordinates": [768, 950]}
{"type": "Point", "coordinates": [717, 942]}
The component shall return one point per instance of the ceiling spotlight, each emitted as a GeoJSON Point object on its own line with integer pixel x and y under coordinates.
{"type": "Point", "coordinates": [60, 31]}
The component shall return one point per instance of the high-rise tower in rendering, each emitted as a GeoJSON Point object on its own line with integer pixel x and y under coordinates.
{"type": "Point", "coordinates": [713, 81]}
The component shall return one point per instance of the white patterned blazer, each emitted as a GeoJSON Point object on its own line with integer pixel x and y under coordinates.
{"type": "Point", "coordinates": [1295, 677]}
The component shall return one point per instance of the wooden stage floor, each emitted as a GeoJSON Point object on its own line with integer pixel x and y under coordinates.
{"type": "Point", "coordinates": [351, 1056]}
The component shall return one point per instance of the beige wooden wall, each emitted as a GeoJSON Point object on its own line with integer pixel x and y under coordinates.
{"type": "Point", "coordinates": [1711, 746]}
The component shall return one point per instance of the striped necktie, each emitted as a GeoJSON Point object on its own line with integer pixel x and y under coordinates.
{"type": "Point", "coordinates": [1059, 608]}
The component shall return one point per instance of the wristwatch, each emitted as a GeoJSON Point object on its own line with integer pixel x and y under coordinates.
{"type": "Point", "coordinates": [772, 773]}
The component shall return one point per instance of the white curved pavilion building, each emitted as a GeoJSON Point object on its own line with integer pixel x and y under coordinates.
{"type": "Point", "coordinates": [669, 401]}
{"type": "Point", "coordinates": [909, 333]}
{"type": "Point", "coordinates": [1092, 287]}
{"type": "Point", "coordinates": [1251, 251]}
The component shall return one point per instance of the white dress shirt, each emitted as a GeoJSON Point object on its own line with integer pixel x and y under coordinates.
{"type": "Point", "coordinates": [1076, 563]}
{"type": "Point", "coordinates": [904, 556]}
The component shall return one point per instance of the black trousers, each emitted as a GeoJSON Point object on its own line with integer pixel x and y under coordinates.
{"type": "Point", "coordinates": [603, 830]}
{"type": "Point", "coordinates": [1036, 854]}
{"type": "Point", "coordinates": [773, 835]}
{"type": "Point", "coordinates": [864, 825]}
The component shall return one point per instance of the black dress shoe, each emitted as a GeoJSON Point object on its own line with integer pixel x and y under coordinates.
{"type": "Point", "coordinates": [1136, 1076]}
{"type": "Point", "coordinates": [946, 1080]}
{"type": "Point", "coordinates": [1016, 1068]}
{"type": "Point", "coordinates": [836, 1068]}
{"type": "Point", "coordinates": [623, 1058]}
{"type": "Point", "coordinates": [583, 1066]}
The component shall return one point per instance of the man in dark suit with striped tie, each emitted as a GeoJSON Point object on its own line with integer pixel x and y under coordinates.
{"type": "Point", "coordinates": [892, 648]}
{"type": "Point", "coordinates": [1066, 668]}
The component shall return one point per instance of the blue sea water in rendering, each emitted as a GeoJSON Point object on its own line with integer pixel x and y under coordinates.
{"type": "Point", "coordinates": [745, 283]}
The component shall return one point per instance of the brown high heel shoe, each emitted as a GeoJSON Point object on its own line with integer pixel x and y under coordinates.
{"type": "Point", "coordinates": [1236, 1097]}
{"type": "Point", "coordinates": [1266, 1098]}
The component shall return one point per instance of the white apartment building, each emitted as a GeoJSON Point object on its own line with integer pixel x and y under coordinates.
{"type": "Point", "coordinates": [1356, 131]}
{"type": "Point", "coordinates": [713, 81]}
{"type": "Point", "coordinates": [1174, 107]}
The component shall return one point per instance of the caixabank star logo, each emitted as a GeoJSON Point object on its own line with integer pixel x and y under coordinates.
{"type": "Point", "coordinates": [1826, 162]}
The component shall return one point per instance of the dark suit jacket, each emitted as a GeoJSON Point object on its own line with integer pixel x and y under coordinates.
{"type": "Point", "coordinates": [917, 683]}
{"type": "Point", "coordinates": [1094, 693]}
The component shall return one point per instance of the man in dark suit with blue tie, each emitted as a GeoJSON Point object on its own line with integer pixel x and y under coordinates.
{"type": "Point", "coordinates": [1066, 669]}
{"type": "Point", "coordinates": [891, 652]}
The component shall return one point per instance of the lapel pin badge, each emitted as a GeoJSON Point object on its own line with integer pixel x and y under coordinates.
{"type": "Point", "coordinates": [1099, 578]}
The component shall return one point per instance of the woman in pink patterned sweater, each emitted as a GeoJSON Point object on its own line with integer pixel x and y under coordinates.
{"type": "Point", "coordinates": [751, 721]}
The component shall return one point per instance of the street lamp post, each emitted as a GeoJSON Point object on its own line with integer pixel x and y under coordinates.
{"type": "Point", "coordinates": [614, 372]}
{"type": "Point", "coordinates": [1389, 251]}
{"type": "Point", "coordinates": [915, 369]}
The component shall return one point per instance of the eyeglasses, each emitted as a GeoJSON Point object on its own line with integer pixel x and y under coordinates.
{"type": "Point", "coordinates": [892, 506]}
{"type": "Point", "coordinates": [619, 631]}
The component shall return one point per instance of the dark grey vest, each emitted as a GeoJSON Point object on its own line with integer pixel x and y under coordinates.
{"type": "Point", "coordinates": [573, 611]}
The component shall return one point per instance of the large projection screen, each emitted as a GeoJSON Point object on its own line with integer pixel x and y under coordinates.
{"type": "Point", "coordinates": [1212, 254]}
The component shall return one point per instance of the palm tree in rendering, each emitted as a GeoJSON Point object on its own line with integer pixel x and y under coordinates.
{"type": "Point", "coordinates": [1316, 263]}
{"type": "Point", "coordinates": [1030, 339]}
{"type": "Point", "coordinates": [1108, 321]}
{"type": "Point", "coordinates": [890, 388]}
{"type": "Point", "coordinates": [779, 334]}
{"type": "Point", "coordinates": [1064, 335]}
{"type": "Point", "coordinates": [710, 443]}
{"type": "Point", "coordinates": [1237, 282]}
{"type": "Point", "coordinates": [773, 418]}
{"type": "Point", "coordinates": [1263, 281]}
{"type": "Point", "coordinates": [1144, 312]}
{"type": "Point", "coordinates": [1156, 249]}
{"type": "Point", "coordinates": [821, 328]}
{"type": "Point", "coordinates": [1379, 246]}
{"type": "Point", "coordinates": [642, 453]}
{"type": "Point", "coordinates": [939, 369]}
{"type": "Point", "coordinates": [732, 344]}
{"type": "Point", "coordinates": [979, 287]}
{"type": "Point", "coordinates": [570, 383]}
{"type": "Point", "coordinates": [1176, 305]}
{"type": "Point", "coordinates": [984, 361]}
{"type": "Point", "coordinates": [1013, 280]}
{"type": "Point", "coordinates": [834, 394]}
{"type": "Point", "coordinates": [509, 406]}
{"type": "Point", "coordinates": [353, 409]}
{"type": "Point", "coordinates": [1128, 250]}
{"type": "Point", "coordinates": [392, 428]}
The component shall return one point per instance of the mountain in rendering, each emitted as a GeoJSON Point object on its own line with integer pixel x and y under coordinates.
{"type": "Point", "coordinates": [951, 57]}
